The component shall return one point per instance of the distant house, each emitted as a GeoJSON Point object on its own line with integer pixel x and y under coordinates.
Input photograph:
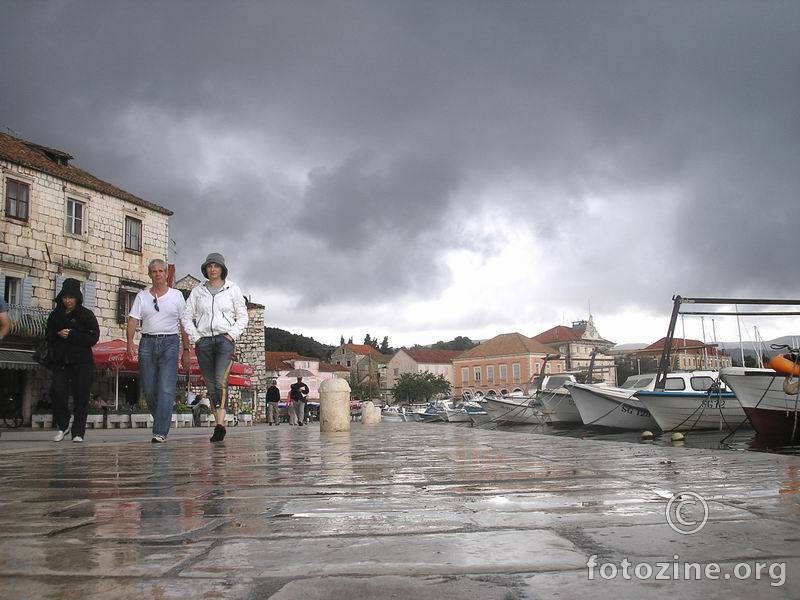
{"type": "Point", "coordinates": [504, 364]}
{"type": "Point", "coordinates": [279, 365]}
{"type": "Point", "coordinates": [60, 221]}
{"type": "Point", "coordinates": [577, 343]}
{"type": "Point", "coordinates": [686, 355]}
{"type": "Point", "coordinates": [420, 360]}
{"type": "Point", "coordinates": [350, 356]}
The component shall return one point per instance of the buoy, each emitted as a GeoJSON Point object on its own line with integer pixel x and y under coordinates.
{"type": "Point", "coordinates": [677, 437]}
{"type": "Point", "coordinates": [788, 364]}
{"type": "Point", "coordinates": [791, 387]}
{"type": "Point", "coordinates": [647, 435]}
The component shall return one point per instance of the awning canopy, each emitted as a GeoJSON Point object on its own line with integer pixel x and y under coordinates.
{"type": "Point", "coordinates": [21, 360]}
{"type": "Point", "coordinates": [112, 355]}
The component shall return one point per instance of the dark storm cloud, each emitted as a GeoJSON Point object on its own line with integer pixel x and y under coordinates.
{"type": "Point", "coordinates": [358, 143]}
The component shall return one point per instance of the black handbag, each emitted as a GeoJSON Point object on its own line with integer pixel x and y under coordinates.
{"type": "Point", "coordinates": [43, 354]}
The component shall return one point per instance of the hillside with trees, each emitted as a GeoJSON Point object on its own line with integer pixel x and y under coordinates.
{"type": "Point", "coordinates": [278, 340]}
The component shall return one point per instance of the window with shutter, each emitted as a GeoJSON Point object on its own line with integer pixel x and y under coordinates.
{"type": "Point", "coordinates": [126, 294]}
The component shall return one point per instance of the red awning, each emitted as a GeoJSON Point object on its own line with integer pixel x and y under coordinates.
{"type": "Point", "coordinates": [113, 355]}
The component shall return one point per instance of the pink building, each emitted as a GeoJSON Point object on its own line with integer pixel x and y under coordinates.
{"type": "Point", "coordinates": [504, 364]}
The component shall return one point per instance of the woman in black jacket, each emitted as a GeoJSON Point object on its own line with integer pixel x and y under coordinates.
{"type": "Point", "coordinates": [72, 330]}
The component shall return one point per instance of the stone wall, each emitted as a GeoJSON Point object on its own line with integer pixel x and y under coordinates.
{"type": "Point", "coordinates": [250, 350]}
{"type": "Point", "coordinates": [40, 249]}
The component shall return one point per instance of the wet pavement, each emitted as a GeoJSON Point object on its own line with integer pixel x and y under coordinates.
{"type": "Point", "coordinates": [395, 510]}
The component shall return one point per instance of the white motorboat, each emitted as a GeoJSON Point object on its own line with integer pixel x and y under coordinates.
{"type": "Point", "coordinates": [773, 409]}
{"type": "Point", "coordinates": [608, 406]}
{"type": "Point", "coordinates": [558, 406]}
{"type": "Point", "coordinates": [451, 413]}
{"type": "Point", "coordinates": [692, 401]}
{"type": "Point", "coordinates": [394, 414]}
{"type": "Point", "coordinates": [522, 409]}
{"type": "Point", "coordinates": [426, 414]}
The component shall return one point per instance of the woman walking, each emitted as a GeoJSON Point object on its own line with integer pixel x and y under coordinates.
{"type": "Point", "coordinates": [215, 317]}
{"type": "Point", "coordinates": [72, 330]}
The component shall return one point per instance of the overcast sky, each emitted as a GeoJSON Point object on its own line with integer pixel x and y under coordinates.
{"type": "Point", "coordinates": [428, 169]}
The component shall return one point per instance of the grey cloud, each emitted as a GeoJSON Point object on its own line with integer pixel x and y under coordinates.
{"type": "Point", "coordinates": [357, 143]}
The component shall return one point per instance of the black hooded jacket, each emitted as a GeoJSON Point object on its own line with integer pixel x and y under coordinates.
{"type": "Point", "coordinates": [84, 329]}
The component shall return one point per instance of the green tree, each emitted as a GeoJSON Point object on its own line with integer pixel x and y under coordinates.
{"type": "Point", "coordinates": [341, 341]}
{"type": "Point", "coordinates": [385, 348]}
{"type": "Point", "coordinates": [420, 387]}
{"type": "Point", "coordinates": [458, 343]}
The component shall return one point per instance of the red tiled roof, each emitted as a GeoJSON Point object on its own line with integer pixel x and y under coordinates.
{"type": "Point", "coordinates": [329, 368]}
{"type": "Point", "coordinates": [362, 349]}
{"type": "Point", "coordinates": [43, 159]}
{"type": "Point", "coordinates": [275, 361]}
{"type": "Point", "coordinates": [507, 344]}
{"type": "Point", "coordinates": [430, 356]}
{"type": "Point", "coordinates": [559, 333]}
{"type": "Point", "coordinates": [679, 344]}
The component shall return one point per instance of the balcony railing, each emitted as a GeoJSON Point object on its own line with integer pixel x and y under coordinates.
{"type": "Point", "coordinates": [27, 321]}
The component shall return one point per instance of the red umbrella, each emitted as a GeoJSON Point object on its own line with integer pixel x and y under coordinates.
{"type": "Point", "coordinates": [113, 355]}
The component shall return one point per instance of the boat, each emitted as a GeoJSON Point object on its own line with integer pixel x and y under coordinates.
{"type": "Point", "coordinates": [427, 414]}
{"type": "Point", "coordinates": [609, 406]}
{"type": "Point", "coordinates": [558, 407]}
{"type": "Point", "coordinates": [515, 408]}
{"type": "Point", "coordinates": [693, 401]}
{"type": "Point", "coordinates": [450, 412]}
{"type": "Point", "coordinates": [394, 413]}
{"type": "Point", "coordinates": [771, 410]}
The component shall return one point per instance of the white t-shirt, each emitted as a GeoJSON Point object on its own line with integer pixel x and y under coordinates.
{"type": "Point", "coordinates": [165, 320]}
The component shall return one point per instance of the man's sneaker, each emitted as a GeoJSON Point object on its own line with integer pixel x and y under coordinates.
{"type": "Point", "coordinates": [77, 438]}
{"type": "Point", "coordinates": [60, 435]}
{"type": "Point", "coordinates": [158, 439]}
{"type": "Point", "coordinates": [219, 433]}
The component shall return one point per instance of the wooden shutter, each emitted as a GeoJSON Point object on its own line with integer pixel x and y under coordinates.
{"type": "Point", "coordinates": [90, 294]}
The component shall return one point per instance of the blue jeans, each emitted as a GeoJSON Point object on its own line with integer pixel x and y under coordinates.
{"type": "Point", "coordinates": [215, 357]}
{"type": "Point", "coordinates": [158, 373]}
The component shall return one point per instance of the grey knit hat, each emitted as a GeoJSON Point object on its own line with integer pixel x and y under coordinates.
{"type": "Point", "coordinates": [215, 258]}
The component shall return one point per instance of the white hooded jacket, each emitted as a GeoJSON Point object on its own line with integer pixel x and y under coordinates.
{"type": "Point", "coordinates": [207, 314]}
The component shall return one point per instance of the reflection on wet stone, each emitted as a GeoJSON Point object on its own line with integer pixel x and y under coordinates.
{"type": "Point", "coordinates": [410, 509]}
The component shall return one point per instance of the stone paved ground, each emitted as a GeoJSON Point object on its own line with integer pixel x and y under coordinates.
{"type": "Point", "coordinates": [402, 510]}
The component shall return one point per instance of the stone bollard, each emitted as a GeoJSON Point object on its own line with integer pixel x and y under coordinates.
{"type": "Point", "coordinates": [334, 405]}
{"type": "Point", "coordinates": [370, 414]}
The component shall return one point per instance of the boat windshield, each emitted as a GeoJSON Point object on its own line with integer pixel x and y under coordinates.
{"type": "Point", "coordinates": [638, 382]}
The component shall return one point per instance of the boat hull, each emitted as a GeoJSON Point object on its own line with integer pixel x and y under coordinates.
{"type": "Point", "coordinates": [688, 411]}
{"type": "Point", "coordinates": [509, 409]}
{"type": "Point", "coordinates": [559, 407]}
{"type": "Point", "coordinates": [772, 412]}
{"type": "Point", "coordinates": [602, 406]}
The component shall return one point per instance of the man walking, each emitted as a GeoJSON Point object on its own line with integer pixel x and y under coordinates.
{"type": "Point", "coordinates": [272, 398]}
{"type": "Point", "coordinates": [159, 309]}
{"type": "Point", "coordinates": [298, 393]}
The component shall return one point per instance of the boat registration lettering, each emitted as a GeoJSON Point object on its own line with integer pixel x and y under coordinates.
{"type": "Point", "coordinates": [713, 403]}
{"type": "Point", "coordinates": [632, 410]}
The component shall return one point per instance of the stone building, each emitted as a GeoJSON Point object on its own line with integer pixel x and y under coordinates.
{"type": "Point", "coordinates": [420, 360]}
{"type": "Point", "coordinates": [60, 221]}
{"type": "Point", "coordinates": [578, 344]}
